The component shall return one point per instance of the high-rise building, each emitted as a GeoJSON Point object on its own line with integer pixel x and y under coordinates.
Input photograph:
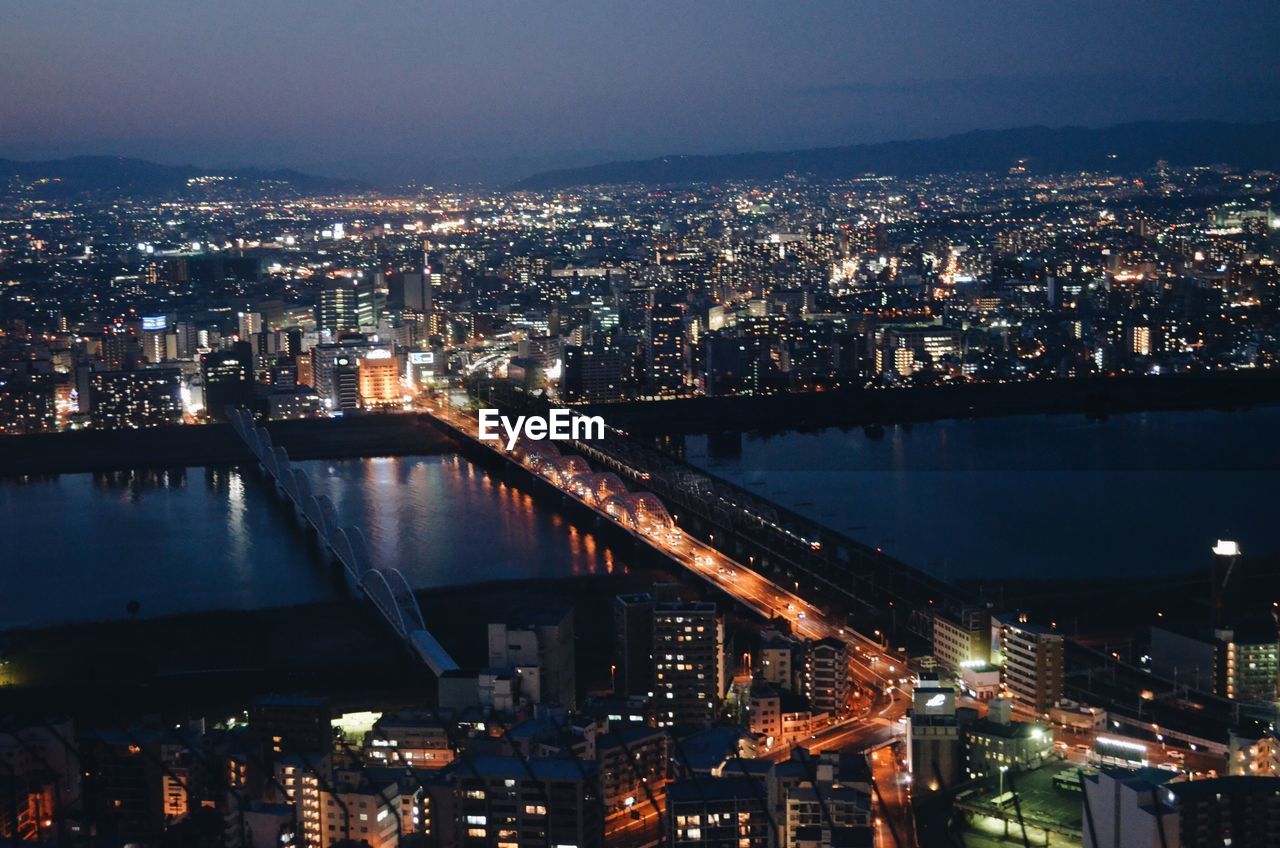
{"type": "Point", "coordinates": [633, 638]}
{"type": "Point", "coordinates": [962, 639]}
{"type": "Point", "coordinates": [282, 725]}
{"type": "Point", "coordinates": [784, 662]}
{"type": "Point", "coordinates": [417, 292]}
{"type": "Point", "coordinates": [1249, 661]}
{"type": "Point", "coordinates": [346, 304]}
{"type": "Point", "coordinates": [829, 666]}
{"type": "Point", "coordinates": [688, 662]}
{"type": "Point", "coordinates": [1031, 663]}
{"type": "Point", "coordinates": [592, 373]}
{"type": "Point", "coordinates": [248, 324]}
{"type": "Point", "coordinates": [124, 400]}
{"type": "Point", "coordinates": [934, 741]}
{"type": "Point", "coordinates": [666, 343]}
{"type": "Point", "coordinates": [379, 380]}
{"type": "Point", "coordinates": [326, 362]}
{"type": "Point", "coordinates": [228, 378]}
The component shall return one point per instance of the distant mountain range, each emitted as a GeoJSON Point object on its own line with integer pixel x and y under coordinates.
{"type": "Point", "coordinates": [139, 177]}
{"type": "Point", "coordinates": [1124, 148]}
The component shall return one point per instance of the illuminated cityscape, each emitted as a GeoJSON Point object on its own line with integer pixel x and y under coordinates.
{"type": "Point", "coordinates": [911, 492]}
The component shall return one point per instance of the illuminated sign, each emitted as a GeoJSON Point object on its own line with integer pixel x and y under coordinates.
{"type": "Point", "coordinates": [155, 323]}
{"type": "Point", "coordinates": [420, 357]}
{"type": "Point", "coordinates": [935, 702]}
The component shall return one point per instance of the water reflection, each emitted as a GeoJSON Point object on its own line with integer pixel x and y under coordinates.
{"type": "Point", "coordinates": [151, 537]}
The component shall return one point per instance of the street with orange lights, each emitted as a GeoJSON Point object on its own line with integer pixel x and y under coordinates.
{"type": "Point", "coordinates": [876, 668]}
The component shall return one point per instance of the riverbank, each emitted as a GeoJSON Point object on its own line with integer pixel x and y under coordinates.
{"type": "Point", "coordinates": [217, 444]}
{"type": "Point", "coordinates": [860, 407]}
{"type": "Point", "coordinates": [216, 662]}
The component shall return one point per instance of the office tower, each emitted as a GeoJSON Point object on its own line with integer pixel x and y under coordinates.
{"type": "Point", "coordinates": [379, 380]}
{"type": "Point", "coordinates": [592, 373]}
{"type": "Point", "coordinates": [186, 339]}
{"type": "Point", "coordinates": [633, 632]}
{"type": "Point", "coordinates": [248, 324]}
{"type": "Point", "coordinates": [282, 372]}
{"type": "Point", "coordinates": [829, 666]}
{"type": "Point", "coordinates": [120, 346]}
{"type": "Point", "coordinates": [718, 811]}
{"type": "Point", "coordinates": [326, 359]}
{"type": "Point", "coordinates": [417, 292]}
{"type": "Point", "coordinates": [346, 304]}
{"type": "Point", "coordinates": [153, 340]}
{"type": "Point", "coordinates": [666, 343]}
{"type": "Point", "coordinates": [228, 379]}
{"type": "Point", "coordinates": [635, 304]}
{"type": "Point", "coordinates": [688, 662]}
{"type": "Point", "coordinates": [934, 741]}
{"type": "Point", "coordinates": [1031, 663]}
{"type": "Point", "coordinates": [528, 803]}
{"type": "Point", "coordinates": [305, 373]}
{"type": "Point", "coordinates": [124, 400]}
{"type": "Point", "coordinates": [541, 640]}
{"type": "Point", "coordinates": [420, 369]}
{"type": "Point", "coordinates": [345, 382]}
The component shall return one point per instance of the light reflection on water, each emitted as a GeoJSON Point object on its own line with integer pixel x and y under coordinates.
{"type": "Point", "coordinates": [81, 547]}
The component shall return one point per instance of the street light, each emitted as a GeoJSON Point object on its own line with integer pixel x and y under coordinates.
{"type": "Point", "coordinates": [1003, 769]}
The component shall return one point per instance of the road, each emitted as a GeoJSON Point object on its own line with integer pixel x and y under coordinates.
{"type": "Point", "coordinates": [870, 662]}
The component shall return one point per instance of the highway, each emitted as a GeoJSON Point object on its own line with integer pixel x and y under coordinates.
{"type": "Point", "coordinates": [870, 663]}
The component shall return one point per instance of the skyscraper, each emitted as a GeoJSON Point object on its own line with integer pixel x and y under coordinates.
{"type": "Point", "coordinates": [666, 343]}
{"type": "Point", "coordinates": [228, 378]}
{"type": "Point", "coordinates": [346, 304]}
{"type": "Point", "coordinates": [633, 631]}
{"type": "Point", "coordinates": [688, 662]}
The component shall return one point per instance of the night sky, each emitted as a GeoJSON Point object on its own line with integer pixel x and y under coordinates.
{"type": "Point", "coordinates": [397, 90]}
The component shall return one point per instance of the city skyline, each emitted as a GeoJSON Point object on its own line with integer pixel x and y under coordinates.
{"type": "Point", "coordinates": [904, 483]}
{"type": "Point", "coordinates": [392, 92]}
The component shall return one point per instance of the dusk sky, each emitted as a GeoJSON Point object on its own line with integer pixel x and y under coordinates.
{"type": "Point", "coordinates": [394, 90]}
